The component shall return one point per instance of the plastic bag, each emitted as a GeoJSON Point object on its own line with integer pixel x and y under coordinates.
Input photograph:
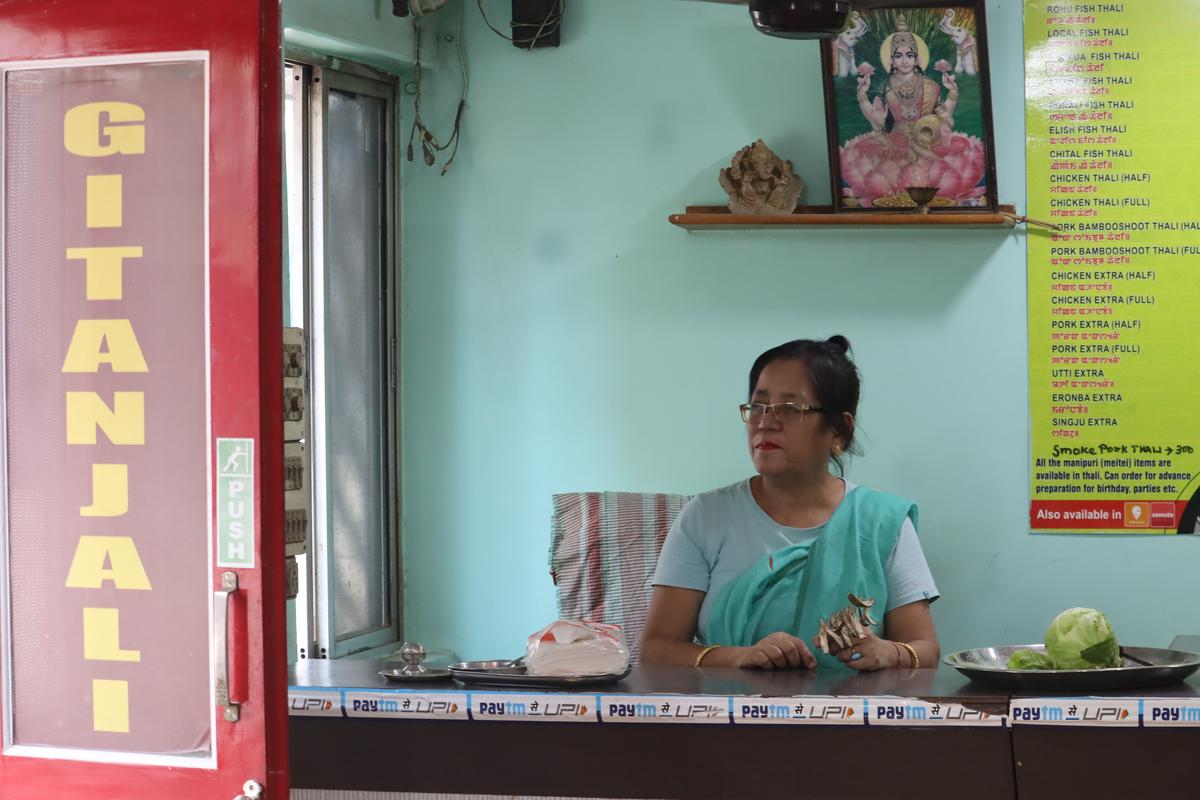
{"type": "Point", "coordinates": [568, 647]}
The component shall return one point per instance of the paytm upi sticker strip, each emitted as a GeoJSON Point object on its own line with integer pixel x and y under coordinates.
{"type": "Point", "coordinates": [903, 711]}
{"type": "Point", "coordinates": [1117, 712]}
{"type": "Point", "coordinates": [314, 703]}
{"type": "Point", "coordinates": [1162, 712]}
{"type": "Point", "coordinates": [439, 705]}
{"type": "Point", "coordinates": [798, 711]}
{"type": "Point", "coordinates": [533, 707]}
{"type": "Point", "coordinates": [665, 708]}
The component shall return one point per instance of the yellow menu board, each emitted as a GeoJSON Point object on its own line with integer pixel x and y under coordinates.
{"type": "Point", "coordinates": [1113, 156]}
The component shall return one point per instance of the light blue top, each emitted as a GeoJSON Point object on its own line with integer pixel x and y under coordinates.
{"type": "Point", "coordinates": [720, 534]}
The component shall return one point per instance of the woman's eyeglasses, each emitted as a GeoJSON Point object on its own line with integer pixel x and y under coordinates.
{"type": "Point", "coordinates": [784, 412]}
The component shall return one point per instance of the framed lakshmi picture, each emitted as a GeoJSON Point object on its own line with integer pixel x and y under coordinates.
{"type": "Point", "coordinates": [909, 109]}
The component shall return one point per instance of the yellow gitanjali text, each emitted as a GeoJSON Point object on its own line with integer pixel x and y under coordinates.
{"type": "Point", "coordinates": [86, 352]}
{"type": "Point", "coordinates": [104, 201]}
{"type": "Point", "coordinates": [104, 269]}
{"type": "Point", "coordinates": [110, 706]}
{"type": "Point", "coordinates": [96, 130]}
{"type": "Point", "coordinates": [125, 570]}
{"type": "Point", "coordinates": [110, 491]}
{"type": "Point", "coordinates": [124, 423]}
{"type": "Point", "coordinates": [102, 636]}
{"type": "Point", "coordinates": [105, 129]}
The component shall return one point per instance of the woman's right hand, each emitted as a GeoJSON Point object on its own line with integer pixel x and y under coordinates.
{"type": "Point", "coordinates": [864, 83]}
{"type": "Point", "coordinates": [778, 650]}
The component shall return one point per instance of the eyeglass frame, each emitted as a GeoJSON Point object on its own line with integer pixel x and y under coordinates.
{"type": "Point", "coordinates": [748, 416]}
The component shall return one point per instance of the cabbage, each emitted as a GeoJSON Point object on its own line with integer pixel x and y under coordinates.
{"type": "Point", "coordinates": [1082, 638]}
{"type": "Point", "coordinates": [1030, 659]}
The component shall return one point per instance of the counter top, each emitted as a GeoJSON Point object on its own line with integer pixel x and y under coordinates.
{"type": "Point", "coordinates": [644, 736]}
{"type": "Point", "coordinates": [351, 729]}
{"type": "Point", "coordinates": [942, 684]}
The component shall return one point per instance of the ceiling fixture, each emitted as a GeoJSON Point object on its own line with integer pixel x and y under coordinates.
{"type": "Point", "coordinates": [801, 19]}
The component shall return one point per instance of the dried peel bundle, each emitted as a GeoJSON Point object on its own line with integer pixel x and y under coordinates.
{"type": "Point", "coordinates": [843, 627]}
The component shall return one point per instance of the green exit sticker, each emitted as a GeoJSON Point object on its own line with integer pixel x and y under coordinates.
{"type": "Point", "coordinates": [235, 503]}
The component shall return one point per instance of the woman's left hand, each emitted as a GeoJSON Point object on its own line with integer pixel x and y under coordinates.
{"type": "Point", "coordinates": [949, 81]}
{"type": "Point", "coordinates": [873, 653]}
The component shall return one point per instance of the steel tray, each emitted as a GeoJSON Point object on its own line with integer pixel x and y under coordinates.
{"type": "Point", "coordinates": [429, 674]}
{"type": "Point", "coordinates": [989, 666]}
{"type": "Point", "coordinates": [514, 674]}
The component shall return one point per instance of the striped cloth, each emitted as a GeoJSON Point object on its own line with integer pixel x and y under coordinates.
{"type": "Point", "coordinates": [603, 550]}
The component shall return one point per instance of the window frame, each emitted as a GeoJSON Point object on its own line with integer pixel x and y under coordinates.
{"type": "Point", "coordinates": [316, 612]}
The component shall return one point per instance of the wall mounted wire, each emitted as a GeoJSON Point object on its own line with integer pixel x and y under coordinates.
{"type": "Point", "coordinates": [430, 146]}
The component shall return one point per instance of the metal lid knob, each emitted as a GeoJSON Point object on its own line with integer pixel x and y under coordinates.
{"type": "Point", "coordinates": [412, 653]}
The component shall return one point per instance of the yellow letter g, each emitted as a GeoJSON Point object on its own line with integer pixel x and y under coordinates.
{"type": "Point", "coordinates": [85, 134]}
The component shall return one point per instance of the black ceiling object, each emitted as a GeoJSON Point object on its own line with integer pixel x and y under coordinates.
{"type": "Point", "coordinates": [400, 8]}
{"type": "Point", "coordinates": [536, 23]}
{"type": "Point", "coordinates": [800, 19]}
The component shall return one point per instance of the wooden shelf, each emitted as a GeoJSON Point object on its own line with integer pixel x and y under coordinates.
{"type": "Point", "coordinates": [701, 218]}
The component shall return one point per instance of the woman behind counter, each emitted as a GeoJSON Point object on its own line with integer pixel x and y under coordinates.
{"type": "Point", "coordinates": [747, 571]}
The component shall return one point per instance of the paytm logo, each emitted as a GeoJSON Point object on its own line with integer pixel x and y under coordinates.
{"type": "Point", "coordinates": [891, 711]}
{"type": "Point", "coordinates": [631, 710]}
{"type": "Point", "coordinates": [375, 706]}
{"type": "Point", "coordinates": [1036, 714]}
{"type": "Point", "coordinates": [1186, 714]}
{"type": "Point", "coordinates": [500, 709]}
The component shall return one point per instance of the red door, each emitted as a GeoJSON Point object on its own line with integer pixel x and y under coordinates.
{"type": "Point", "coordinates": [142, 631]}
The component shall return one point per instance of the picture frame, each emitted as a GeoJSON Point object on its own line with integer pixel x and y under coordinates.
{"type": "Point", "coordinates": [924, 121]}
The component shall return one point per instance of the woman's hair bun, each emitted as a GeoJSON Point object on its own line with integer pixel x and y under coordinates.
{"type": "Point", "coordinates": [839, 343]}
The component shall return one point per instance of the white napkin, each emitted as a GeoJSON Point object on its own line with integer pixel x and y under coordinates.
{"type": "Point", "coordinates": [576, 647]}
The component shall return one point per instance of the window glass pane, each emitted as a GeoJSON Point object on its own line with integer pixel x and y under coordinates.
{"type": "Point", "coordinates": [355, 361]}
{"type": "Point", "coordinates": [106, 505]}
{"type": "Point", "coordinates": [293, 177]}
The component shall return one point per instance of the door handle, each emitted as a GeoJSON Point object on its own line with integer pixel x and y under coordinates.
{"type": "Point", "coordinates": [229, 585]}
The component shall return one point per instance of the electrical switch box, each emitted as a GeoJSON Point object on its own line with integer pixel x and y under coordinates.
{"type": "Point", "coordinates": [295, 405]}
{"type": "Point", "coordinates": [295, 522]}
{"type": "Point", "coordinates": [291, 576]}
{"type": "Point", "coordinates": [295, 467]}
{"type": "Point", "coordinates": [295, 498]}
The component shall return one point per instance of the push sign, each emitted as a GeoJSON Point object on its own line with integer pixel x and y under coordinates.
{"type": "Point", "coordinates": [235, 503]}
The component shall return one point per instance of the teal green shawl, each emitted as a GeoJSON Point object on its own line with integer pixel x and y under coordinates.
{"type": "Point", "coordinates": [794, 588]}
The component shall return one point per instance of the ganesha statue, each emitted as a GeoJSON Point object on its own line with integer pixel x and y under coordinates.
{"type": "Point", "coordinates": [760, 182]}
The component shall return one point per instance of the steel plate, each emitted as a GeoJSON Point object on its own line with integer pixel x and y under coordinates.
{"type": "Point", "coordinates": [989, 666]}
{"type": "Point", "coordinates": [509, 673]}
{"type": "Point", "coordinates": [429, 674]}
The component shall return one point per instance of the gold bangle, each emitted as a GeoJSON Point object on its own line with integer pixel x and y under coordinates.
{"type": "Point", "coordinates": [705, 652]}
{"type": "Point", "coordinates": [912, 651]}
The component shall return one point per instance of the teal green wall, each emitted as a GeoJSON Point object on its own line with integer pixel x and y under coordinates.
{"type": "Point", "coordinates": [560, 335]}
{"type": "Point", "coordinates": [363, 30]}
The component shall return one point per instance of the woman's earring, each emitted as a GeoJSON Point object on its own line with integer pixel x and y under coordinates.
{"type": "Point", "coordinates": [837, 450]}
